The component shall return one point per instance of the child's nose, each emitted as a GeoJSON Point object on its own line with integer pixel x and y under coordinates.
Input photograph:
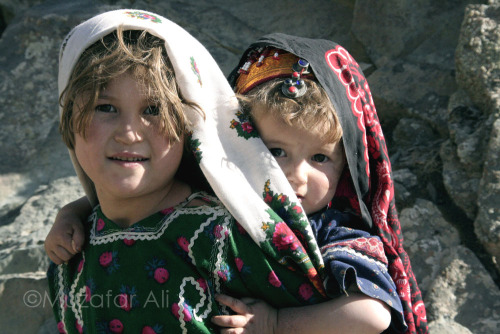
{"type": "Point", "coordinates": [129, 131]}
{"type": "Point", "coordinates": [297, 173]}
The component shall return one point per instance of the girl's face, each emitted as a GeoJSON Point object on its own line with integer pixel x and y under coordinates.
{"type": "Point", "coordinates": [312, 166]}
{"type": "Point", "coordinates": [124, 153]}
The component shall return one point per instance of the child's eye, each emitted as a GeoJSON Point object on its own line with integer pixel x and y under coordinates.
{"type": "Point", "coordinates": [320, 158]}
{"type": "Point", "coordinates": [152, 110]}
{"type": "Point", "coordinates": [107, 108]}
{"type": "Point", "coordinates": [277, 152]}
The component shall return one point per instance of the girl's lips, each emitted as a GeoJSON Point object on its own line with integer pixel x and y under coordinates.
{"type": "Point", "coordinates": [128, 160]}
{"type": "Point", "coordinates": [128, 157]}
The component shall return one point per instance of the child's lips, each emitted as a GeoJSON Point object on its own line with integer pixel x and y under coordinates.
{"type": "Point", "coordinates": [128, 158]}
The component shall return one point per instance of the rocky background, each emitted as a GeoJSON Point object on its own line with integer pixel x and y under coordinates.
{"type": "Point", "coordinates": [434, 71]}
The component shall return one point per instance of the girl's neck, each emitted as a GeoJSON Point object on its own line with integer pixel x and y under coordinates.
{"type": "Point", "coordinates": [127, 211]}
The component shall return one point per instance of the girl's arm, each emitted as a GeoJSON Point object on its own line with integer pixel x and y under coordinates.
{"type": "Point", "coordinates": [355, 313]}
{"type": "Point", "coordinates": [66, 237]}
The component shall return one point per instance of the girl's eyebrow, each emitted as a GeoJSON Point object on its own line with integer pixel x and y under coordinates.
{"type": "Point", "coordinates": [104, 95]}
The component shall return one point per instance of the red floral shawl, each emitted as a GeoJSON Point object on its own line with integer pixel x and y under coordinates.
{"type": "Point", "coordinates": [366, 187]}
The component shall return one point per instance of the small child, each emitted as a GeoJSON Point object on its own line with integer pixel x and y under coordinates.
{"type": "Point", "coordinates": [313, 109]}
{"type": "Point", "coordinates": [157, 251]}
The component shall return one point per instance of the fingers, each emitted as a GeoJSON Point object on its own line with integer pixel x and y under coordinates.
{"type": "Point", "coordinates": [78, 238]}
{"type": "Point", "coordinates": [233, 331]}
{"type": "Point", "coordinates": [64, 241]}
{"type": "Point", "coordinates": [234, 304]}
{"type": "Point", "coordinates": [231, 321]}
{"type": "Point", "coordinates": [59, 255]}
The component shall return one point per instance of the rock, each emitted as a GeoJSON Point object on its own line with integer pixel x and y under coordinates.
{"type": "Point", "coordinates": [24, 260]}
{"type": "Point", "coordinates": [401, 89]}
{"type": "Point", "coordinates": [444, 326]}
{"type": "Point", "coordinates": [459, 185]}
{"type": "Point", "coordinates": [405, 26]}
{"type": "Point", "coordinates": [464, 293]}
{"type": "Point", "coordinates": [469, 130]}
{"type": "Point", "coordinates": [478, 56]}
{"type": "Point", "coordinates": [476, 131]}
{"type": "Point", "coordinates": [48, 327]}
{"type": "Point", "coordinates": [24, 302]}
{"type": "Point", "coordinates": [487, 223]}
{"type": "Point", "coordinates": [36, 217]}
{"type": "Point", "coordinates": [404, 183]}
{"type": "Point", "coordinates": [426, 242]}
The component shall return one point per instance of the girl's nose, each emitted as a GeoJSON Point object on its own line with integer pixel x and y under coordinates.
{"type": "Point", "coordinates": [129, 130]}
{"type": "Point", "coordinates": [297, 173]}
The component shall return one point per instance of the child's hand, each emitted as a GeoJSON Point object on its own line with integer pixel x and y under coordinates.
{"type": "Point", "coordinates": [66, 237]}
{"type": "Point", "coordinates": [253, 316]}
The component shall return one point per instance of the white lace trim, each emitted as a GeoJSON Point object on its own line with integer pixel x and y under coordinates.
{"type": "Point", "coordinates": [221, 244]}
{"type": "Point", "coordinates": [203, 298]}
{"type": "Point", "coordinates": [75, 297]}
{"type": "Point", "coordinates": [156, 232]}
{"type": "Point", "coordinates": [60, 294]}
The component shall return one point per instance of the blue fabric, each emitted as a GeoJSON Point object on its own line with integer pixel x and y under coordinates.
{"type": "Point", "coordinates": [355, 258]}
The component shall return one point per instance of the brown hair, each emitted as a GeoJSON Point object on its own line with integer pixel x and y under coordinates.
{"type": "Point", "coordinates": [135, 52]}
{"type": "Point", "coordinates": [313, 111]}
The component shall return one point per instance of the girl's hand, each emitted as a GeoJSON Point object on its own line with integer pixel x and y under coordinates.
{"type": "Point", "coordinates": [253, 316]}
{"type": "Point", "coordinates": [67, 236]}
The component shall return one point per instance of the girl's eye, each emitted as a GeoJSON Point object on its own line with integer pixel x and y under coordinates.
{"type": "Point", "coordinates": [107, 108]}
{"type": "Point", "coordinates": [277, 152]}
{"type": "Point", "coordinates": [152, 110]}
{"type": "Point", "coordinates": [319, 158]}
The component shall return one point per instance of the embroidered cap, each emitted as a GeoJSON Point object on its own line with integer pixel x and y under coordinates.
{"type": "Point", "coordinates": [265, 64]}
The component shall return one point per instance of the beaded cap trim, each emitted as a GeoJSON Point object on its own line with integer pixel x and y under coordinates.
{"type": "Point", "coordinates": [265, 64]}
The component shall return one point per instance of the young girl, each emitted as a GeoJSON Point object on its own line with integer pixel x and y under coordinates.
{"type": "Point", "coordinates": [157, 251]}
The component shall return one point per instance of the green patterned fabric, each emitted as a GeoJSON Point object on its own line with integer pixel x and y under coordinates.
{"type": "Point", "coordinates": [182, 256]}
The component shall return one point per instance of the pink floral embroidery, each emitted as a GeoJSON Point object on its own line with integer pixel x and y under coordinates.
{"type": "Point", "coordinates": [283, 238]}
{"type": "Point", "coordinates": [305, 291]}
{"type": "Point", "coordinates": [106, 259]}
{"type": "Point", "coordinates": [100, 224]}
{"type": "Point", "coordinates": [129, 242]}
{"type": "Point", "coordinates": [203, 283]}
{"type": "Point", "coordinates": [167, 211]}
{"type": "Point", "coordinates": [116, 326]}
{"type": "Point", "coordinates": [78, 327]}
{"type": "Point", "coordinates": [176, 308]}
{"type": "Point", "coordinates": [60, 327]}
{"type": "Point", "coordinates": [157, 329]}
{"type": "Point", "coordinates": [239, 263]}
{"type": "Point", "coordinates": [217, 231]}
{"type": "Point", "coordinates": [125, 302]}
{"type": "Point", "coordinates": [182, 241]}
{"type": "Point", "coordinates": [273, 279]}
{"type": "Point", "coordinates": [88, 293]}
{"type": "Point", "coordinates": [80, 265]}
{"type": "Point", "coordinates": [247, 127]}
{"type": "Point", "coordinates": [161, 275]}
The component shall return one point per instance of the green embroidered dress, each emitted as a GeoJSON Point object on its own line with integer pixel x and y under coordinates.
{"type": "Point", "coordinates": [160, 274]}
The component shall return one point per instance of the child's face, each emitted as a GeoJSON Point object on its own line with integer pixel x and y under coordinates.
{"type": "Point", "coordinates": [124, 153]}
{"type": "Point", "coordinates": [312, 166]}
